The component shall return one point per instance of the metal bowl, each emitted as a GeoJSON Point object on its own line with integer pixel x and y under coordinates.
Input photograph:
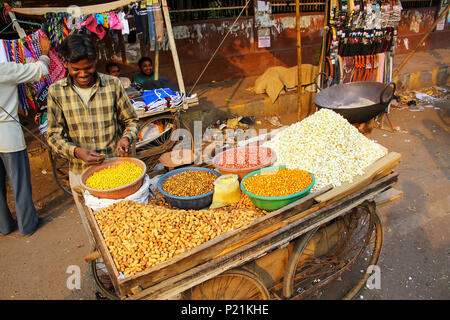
{"type": "Point", "coordinates": [342, 99]}
{"type": "Point", "coordinates": [119, 192]}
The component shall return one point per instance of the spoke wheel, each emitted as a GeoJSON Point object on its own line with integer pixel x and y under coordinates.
{"type": "Point", "coordinates": [151, 152]}
{"type": "Point", "coordinates": [102, 280]}
{"type": "Point", "coordinates": [331, 262]}
{"type": "Point", "coordinates": [60, 168]}
{"type": "Point", "coordinates": [236, 284]}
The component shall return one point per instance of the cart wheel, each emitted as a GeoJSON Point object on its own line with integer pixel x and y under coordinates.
{"type": "Point", "coordinates": [236, 284]}
{"type": "Point", "coordinates": [150, 153]}
{"type": "Point", "coordinates": [102, 280]}
{"type": "Point", "coordinates": [340, 272]}
{"type": "Point", "coordinates": [60, 168]}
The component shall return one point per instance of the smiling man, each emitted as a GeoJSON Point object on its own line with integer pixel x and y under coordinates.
{"type": "Point", "coordinates": [146, 66]}
{"type": "Point", "coordinates": [90, 116]}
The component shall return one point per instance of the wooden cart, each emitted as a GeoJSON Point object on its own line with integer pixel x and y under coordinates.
{"type": "Point", "coordinates": [317, 247]}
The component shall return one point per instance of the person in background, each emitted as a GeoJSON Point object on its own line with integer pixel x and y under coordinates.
{"type": "Point", "coordinates": [113, 69]}
{"type": "Point", "coordinates": [90, 116]}
{"type": "Point", "coordinates": [146, 67]}
{"type": "Point", "coordinates": [147, 77]}
{"type": "Point", "coordinates": [14, 160]}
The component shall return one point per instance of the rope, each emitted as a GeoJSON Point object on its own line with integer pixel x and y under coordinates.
{"type": "Point", "coordinates": [215, 52]}
{"type": "Point", "coordinates": [29, 131]}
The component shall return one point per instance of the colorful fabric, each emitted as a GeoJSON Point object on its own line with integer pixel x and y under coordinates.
{"type": "Point", "coordinates": [92, 25]}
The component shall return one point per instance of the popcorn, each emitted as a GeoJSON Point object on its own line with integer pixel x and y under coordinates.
{"type": "Point", "coordinates": [327, 145]}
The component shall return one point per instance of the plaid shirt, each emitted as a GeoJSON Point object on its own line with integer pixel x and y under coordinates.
{"type": "Point", "coordinates": [108, 116]}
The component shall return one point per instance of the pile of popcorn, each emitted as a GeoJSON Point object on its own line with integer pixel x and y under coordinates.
{"type": "Point", "coordinates": [328, 146]}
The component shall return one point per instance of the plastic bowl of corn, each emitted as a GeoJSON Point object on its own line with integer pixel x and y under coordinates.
{"type": "Point", "coordinates": [269, 181]}
{"type": "Point", "coordinates": [115, 178]}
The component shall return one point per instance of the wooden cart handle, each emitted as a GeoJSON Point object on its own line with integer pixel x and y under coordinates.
{"type": "Point", "coordinates": [92, 256]}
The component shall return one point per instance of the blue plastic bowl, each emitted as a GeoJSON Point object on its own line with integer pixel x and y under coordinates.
{"type": "Point", "coordinates": [197, 202]}
{"type": "Point", "coordinates": [274, 203]}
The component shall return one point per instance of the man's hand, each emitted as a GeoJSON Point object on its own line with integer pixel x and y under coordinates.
{"type": "Point", "coordinates": [89, 156]}
{"type": "Point", "coordinates": [45, 45]}
{"type": "Point", "coordinates": [123, 147]}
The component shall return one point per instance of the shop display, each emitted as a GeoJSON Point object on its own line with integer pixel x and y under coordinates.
{"type": "Point", "coordinates": [361, 39]}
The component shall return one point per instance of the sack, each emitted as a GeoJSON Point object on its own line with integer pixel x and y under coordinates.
{"type": "Point", "coordinates": [140, 196]}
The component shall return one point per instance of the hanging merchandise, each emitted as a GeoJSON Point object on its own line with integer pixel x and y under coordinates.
{"type": "Point", "coordinates": [151, 20]}
{"type": "Point", "coordinates": [124, 22]}
{"type": "Point", "coordinates": [361, 33]}
{"type": "Point", "coordinates": [27, 50]}
{"type": "Point", "coordinates": [56, 28]}
{"type": "Point", "coordinates": [92, 25]}
{"type": "Point", "coordinates": [143, 17]}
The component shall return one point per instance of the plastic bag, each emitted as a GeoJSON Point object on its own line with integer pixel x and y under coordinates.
{"type": "Point", "coordinates": [226, 191]}
{"type": "Point", "coordinates": [140, 196]}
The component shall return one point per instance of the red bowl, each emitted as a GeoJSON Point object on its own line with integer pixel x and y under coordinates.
{"type": "Point", "coordinates": [242, 172]}
{"type": "Point", "coordinates": [119, 192]}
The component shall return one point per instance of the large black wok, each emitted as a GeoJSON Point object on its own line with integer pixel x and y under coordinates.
{"type": "Point", "coordinates": [344, 99]}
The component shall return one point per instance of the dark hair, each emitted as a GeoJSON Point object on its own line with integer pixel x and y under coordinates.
{"type": "Point", "coordinates": [143, 59]}
{"type": "Point", "coordinates": [109, 66]}
{"type": "Point", "coordinates": [77, 47]}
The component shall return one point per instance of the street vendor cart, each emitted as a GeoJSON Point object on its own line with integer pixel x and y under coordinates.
{"type": "Point", "coordinates": [319, 246]}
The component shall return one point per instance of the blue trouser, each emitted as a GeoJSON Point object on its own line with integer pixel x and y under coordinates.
{"type": "Point", "coordinates": [17, 166]}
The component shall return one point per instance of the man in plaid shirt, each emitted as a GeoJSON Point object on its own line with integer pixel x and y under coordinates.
{"type": "Point", "coordinates": [90, 116]}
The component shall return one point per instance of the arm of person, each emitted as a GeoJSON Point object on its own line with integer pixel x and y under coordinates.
{"type": "Point", "coordinates": [16, 73]}
{"type": "Point", "coordinates": [127, 118]}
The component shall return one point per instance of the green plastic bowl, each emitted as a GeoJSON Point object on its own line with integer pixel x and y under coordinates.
{"type": "Point", "coordinates": [274, 203]}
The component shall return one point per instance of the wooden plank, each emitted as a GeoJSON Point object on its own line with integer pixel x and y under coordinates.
{"type": "Point", "coordinates": [214, 247]}
{"type": "Point", "coordinates": [379, 169]}
{"type": "Point", "coordinates": [388, 196]}
{"type": "Point", "coordinates": [287, 211]}
{"type": "Point", "coordinates": [255, 249]}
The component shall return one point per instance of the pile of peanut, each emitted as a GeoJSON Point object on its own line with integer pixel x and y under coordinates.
{"type": "Point", "coordinates": [140, 236]}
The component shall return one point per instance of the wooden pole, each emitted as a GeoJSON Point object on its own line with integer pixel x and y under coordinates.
{"type": "Point", "coordinates": [156, 71]}
{"type": "Point", "coordinates": [17, 27]}
{"type": "Point", "coordinates": [299, 60]}
{"type": "Point", "coordinates": [173, 47]}
{"type": "Point", "coordinates": [324, 37]}
{"type": "Point", "coordinates": [420, 42]}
